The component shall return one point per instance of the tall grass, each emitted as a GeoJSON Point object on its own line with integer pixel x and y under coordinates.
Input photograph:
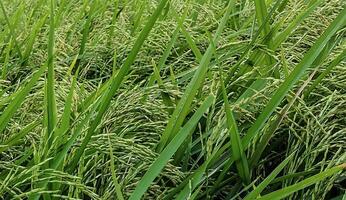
{"type": "Point", "coordinates": [172, 99]}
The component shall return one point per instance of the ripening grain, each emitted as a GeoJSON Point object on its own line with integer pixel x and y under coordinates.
{"type": "Point", "coordinates": [172, 99]}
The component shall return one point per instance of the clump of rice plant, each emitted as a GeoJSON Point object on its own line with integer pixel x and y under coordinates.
{"type": "Point", "coordinates": [172, 99]}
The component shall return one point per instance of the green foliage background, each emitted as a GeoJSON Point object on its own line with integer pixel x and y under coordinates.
{"type": "Point", "coordinates": [182, 99]}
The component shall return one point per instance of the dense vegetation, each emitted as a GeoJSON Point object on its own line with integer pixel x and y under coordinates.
{"type": "Point", "coordinates": [172, 99]}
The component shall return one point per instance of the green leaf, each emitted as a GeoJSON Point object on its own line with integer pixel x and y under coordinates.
{"type": "Point", "coordinates": [169, 47]}
{"type": "Point", "coordinates": [118, 191]}
{"type": "Point", "coordinates": [17, 137]}
{"type": "Point", "coordinates": [12, 31]}
{"type": "Point", "coordinates": [237, 149]}
{"type": "Point", "coordinates": [33, 35]}
{"type": "Point", "coordinates": [51, 104]}
{"type": "Point", "coordinates": [165, 97]}
{"type": "Point", "coordinates": [86, 31]}
{"type": "Point", "coordinates": [155, 169]}
{"type": "Point", "coordinates": [284, 192]}
{"type": "Point", "coordinates": [257, 57]}
{"type": "Point", "coordinates": [280, 116]}
{"type": "Point", "coordinates": [187, 36]}
{"type": "Point", "coordinates": [257, 191]}
{"type": "Point", "coordinates": [116, 81]}
{"type": "Point", "coordinates": [267, 33]}
{"type": "Point", "coordinates": [18, 99]}
{"type": "Point", "coordinates": [262, 14]}
{"type": "Point", "coordinates": [66, 115]}
{"type": "Point", "coordinates": [5, 65]}
{"type": "Point", "coordinates": [295, 76]}
{"type": "Point", "coordinates": [294, 175]}
{"type": "Point", "coordinates": [330, 67]}
{"type": "Point", "coordinates": [183, 107]}
{"type": "Point", "coordinates": [282, 36]}
{"type": "Point", "coordinates": [197, 177]}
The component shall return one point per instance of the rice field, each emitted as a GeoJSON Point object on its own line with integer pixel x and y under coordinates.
{"type": "Point", "coordinates": [173, 99]}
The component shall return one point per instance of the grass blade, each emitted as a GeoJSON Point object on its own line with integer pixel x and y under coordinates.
{"type": "Point", "coordinates": [330, 67]}
{"type": "Point", "coordinates": [197, 177]}
{"type": "Point", "coordinates": [275, 125]}
{"type": "Point", "coordinates": [17, 137]}
{"type": "Point", "coordinates": [86, 31]}
{"type": "Point", "coordinates": [298, 174]}
{"type": "Point", "coordinates": [33, 35]}
{"type": "Point", "coordinates": [59, 156]}
{"type": "Point", "coordinates": [171, 148]}
{"type": "Point", "coordinates": [118, 191]}
{"type": "Point", "coordinates": [165, 55]}
{"type": "Point", "coordinates": [165, 97]}
{"type": "Point", "coordinates": [237, 149]}
{"type": "Point", "coordinates": [51, 105]}
{"type": "Point", "coordinates": [281, 37]}
{"type": "Point", "coordinates": [284, 192]}
{"type": "Point", "coordinates": [184, 104]}
{"type": "Point", "coordinates": [295, 75]}
{"type": "Point", "coordinates": [254, 194]}
{"type": "Point", "coordinates": [66, 115]}
{"type": "Point", "coordinates": [277, 41]}
{"type": "Point", "coordinates": [5, 65]}
{"type": "Point", "coordinates": [18, 99]}
{"type": "Point", "coordinates": [262, 15]}
{"type": "Point", "coordinates": [168, 48]}
{"type": "Point", "coordinates": [12, 31]}
{"type": "Point", "coordinates": [59, 137]}
{"type": "Point", "coordinates": [117, 80]}
{"type": "Point", "coordinates": [187, 36]}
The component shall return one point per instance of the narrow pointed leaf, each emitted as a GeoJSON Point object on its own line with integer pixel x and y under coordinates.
{"type": "Point", "coordinates": [294, 77]}
{"type": "Point", "coordinates": [183, 107]}
{"type": "Point", "coordinates": [257, 191]}
{"type": "Point", "coordinates": [18, 99]}
{"type": "Point", "coordinates": [116, 81]}
{"type": "Point", "coordinates": [155, 169]}
{"type": "Point", "coordinates": [236, 146]}
{"type": "Point", "coordinates": [284, 192]}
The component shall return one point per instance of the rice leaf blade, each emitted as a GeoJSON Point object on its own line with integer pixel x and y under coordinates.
{"type": "Point", "coordinates": [294, 76]}
{"type": "Point", "coordinates": [116, 81]}
{"type": "Point", "coordinates": [257, 191]}
{"type": "Point", "coordinates": [18, 99]}
{"type": "Point", "coordinates": [236, 146]}
{"type": "Point", "coordinates": [284, 192]}
{"type": "Point", "coordinates": [184, 104]}
{"type": "Point", "coordinates": [171, 148]}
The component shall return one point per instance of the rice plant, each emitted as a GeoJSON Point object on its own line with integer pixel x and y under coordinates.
{"type": "Point", "coordinates": [172, 99]}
